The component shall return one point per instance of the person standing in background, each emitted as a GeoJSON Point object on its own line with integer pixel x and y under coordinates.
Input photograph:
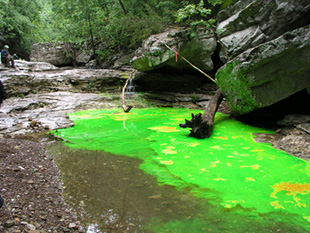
{"type": "Point", "coordinates": [6, 58]}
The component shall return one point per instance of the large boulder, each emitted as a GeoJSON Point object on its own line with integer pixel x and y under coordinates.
{"type": "Point", "coordinates": [51, 53]}
{"type": "Point", "coordinates": [267, 73]}
{"type": "Point", "coordinates": [197, 47]}
{"type": "Point", "coordinates": [248, 23]}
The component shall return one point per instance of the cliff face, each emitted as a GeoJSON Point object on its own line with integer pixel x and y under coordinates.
{"type": "Point", "coordinates": [262, 45]}
{"type": "Point", "coordinates": [265, 47]}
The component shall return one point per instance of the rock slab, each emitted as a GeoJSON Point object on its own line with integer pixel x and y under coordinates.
{"type": "Point", "coordinates": [197, 47]}
{"type": "Point", "coordinates": [267, 73]}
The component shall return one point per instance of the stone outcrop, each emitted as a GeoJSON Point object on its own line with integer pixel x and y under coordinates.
{"type": "Point", "coordinates": [28, 79]}
{"type": "Point", "coordinates": [265, 45]}
{"type": "Point", "coordinates": [34, 66]}
{"type": "Point", "coordinates": [246, 24]}
{"type": "Point", "coordinates": [41, 95]}
{"type": "Point", "coordinates": [55, 54]}
{"type": "Point", "coordinates": [197, 47]}
{"type": "Point", "coordinates": [267, 73]}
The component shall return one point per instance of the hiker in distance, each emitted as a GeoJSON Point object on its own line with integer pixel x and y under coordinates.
{"type": "Point", "coordinates": [6, 57]}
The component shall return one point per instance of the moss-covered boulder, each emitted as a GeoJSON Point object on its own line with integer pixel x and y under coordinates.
{"type": "Point", "coordinates": [267, 73]}
{"type": "Point", "coordinates": [197, 47]}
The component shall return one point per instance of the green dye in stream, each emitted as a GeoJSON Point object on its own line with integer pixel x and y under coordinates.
{"type": "Point", "coordinates": [229, 169]}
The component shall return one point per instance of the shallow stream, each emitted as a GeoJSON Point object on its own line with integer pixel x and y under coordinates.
{"type": "Point", "coordinates": [140, 172]}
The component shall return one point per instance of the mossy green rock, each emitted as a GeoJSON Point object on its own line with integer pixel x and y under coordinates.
{"type": "Point", "coordinates": [196, 46]}
{"type": "Point", "coordinates": [268, 73]}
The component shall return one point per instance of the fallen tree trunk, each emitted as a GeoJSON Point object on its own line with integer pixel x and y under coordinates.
{"type": "Point", "coordinates": [202, 125]}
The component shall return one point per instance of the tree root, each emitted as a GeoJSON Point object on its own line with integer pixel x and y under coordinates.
{"type": "Point", "coordinates": [202, 125]}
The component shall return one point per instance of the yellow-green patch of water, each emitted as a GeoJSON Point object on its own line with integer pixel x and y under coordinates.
{"type": "Point", "coordinates": [229, 169]}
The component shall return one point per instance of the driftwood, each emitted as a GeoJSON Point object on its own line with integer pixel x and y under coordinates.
{"type": "Point", "coordinates": [53, 136]}
{"type": "Point", "coordinates": [202, 125]}
{"type": "Point", "coordinates": [125, 107]}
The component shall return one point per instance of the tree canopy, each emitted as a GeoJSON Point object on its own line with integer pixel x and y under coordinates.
{"type": "Point", "coordinates": [116, 24]}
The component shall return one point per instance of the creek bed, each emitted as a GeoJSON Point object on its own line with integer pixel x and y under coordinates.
{"type": "Point", "coordinates": [139, 172]}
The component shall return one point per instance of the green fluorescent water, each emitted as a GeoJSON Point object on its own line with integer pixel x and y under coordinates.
{"type": "Point", "coordinates": [229, 169]}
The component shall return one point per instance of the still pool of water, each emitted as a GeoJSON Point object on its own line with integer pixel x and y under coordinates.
{"type": "Point", "coordinates": [140, 172]}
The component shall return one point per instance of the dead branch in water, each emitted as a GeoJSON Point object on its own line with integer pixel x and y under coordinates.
{"type": "Point", "coordinates": [125, 108]}
{"type": "Point", "coordinates": [202, 124]}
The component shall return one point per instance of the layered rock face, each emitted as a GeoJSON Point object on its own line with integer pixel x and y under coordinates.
{"type": "Point", "coordinates": [33, 77]}
{"type": "Point", "coordinates": [262, 45]}
{"type": "Point", "coordinates": [249, 23]}
{"type": "Point", "coordinates": [265, 45]}
{"type": "Point", "coordinates": [197, 47]}
{"type": "Point", "coordinates": [41, 95]}
{"type": "Point", "coordinates": [51, 53]}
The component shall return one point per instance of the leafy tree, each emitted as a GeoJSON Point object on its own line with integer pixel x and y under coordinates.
{"type": "Point", "coordinates": [117, 24]}
{"type": "Point", "coordinates": [196, 14]}
{"type": "Point", "coordinates": [121, 24]}
{"type": "Point", "coordinates": [18, 23]}
{"type": "Point", "coordinates": [78, 20]}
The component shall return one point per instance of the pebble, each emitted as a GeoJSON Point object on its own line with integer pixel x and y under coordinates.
{"type": "Point", "coordinates": [9, 223]}
{"type": "Point", "coordinates": [30, 227]}
{"type": "Point", "coordinates": [72, 225]}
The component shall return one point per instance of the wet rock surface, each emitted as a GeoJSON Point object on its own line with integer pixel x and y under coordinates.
{"type": "Point", "coordinates": [43, 112]}
{"type": "Point", "coordinates": [41, 78]}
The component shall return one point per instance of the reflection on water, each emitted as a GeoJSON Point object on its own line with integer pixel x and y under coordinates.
{"type": "Point", "coordinates": [111, 194]}
{"type": "Point", "coordinates": [227, 183]}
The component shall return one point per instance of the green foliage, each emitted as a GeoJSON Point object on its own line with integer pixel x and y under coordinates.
{"type": "Point", "coordinates": [228, 3]}
{"type": "Point", "coordinates": [194, 98]}
{"type": "Point", "coordinates": [131, 30]}
{"type": "Point", "coordinates": [113, 25]}
{"type": "Point", "coordinates": [192, 11]}
{"type": "Point", "coordinates": [18, 22]}
{"type": "Point", "coordinates": [216, 2]}
{"type": "Point", "coordinates": [196, 15]}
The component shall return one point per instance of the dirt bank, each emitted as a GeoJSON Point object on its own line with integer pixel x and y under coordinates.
{"type": "Point", "coordinates": [32, 190]}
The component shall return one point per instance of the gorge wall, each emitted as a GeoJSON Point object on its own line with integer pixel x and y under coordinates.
{"type": "Point", "coordinates": [263, 47]}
